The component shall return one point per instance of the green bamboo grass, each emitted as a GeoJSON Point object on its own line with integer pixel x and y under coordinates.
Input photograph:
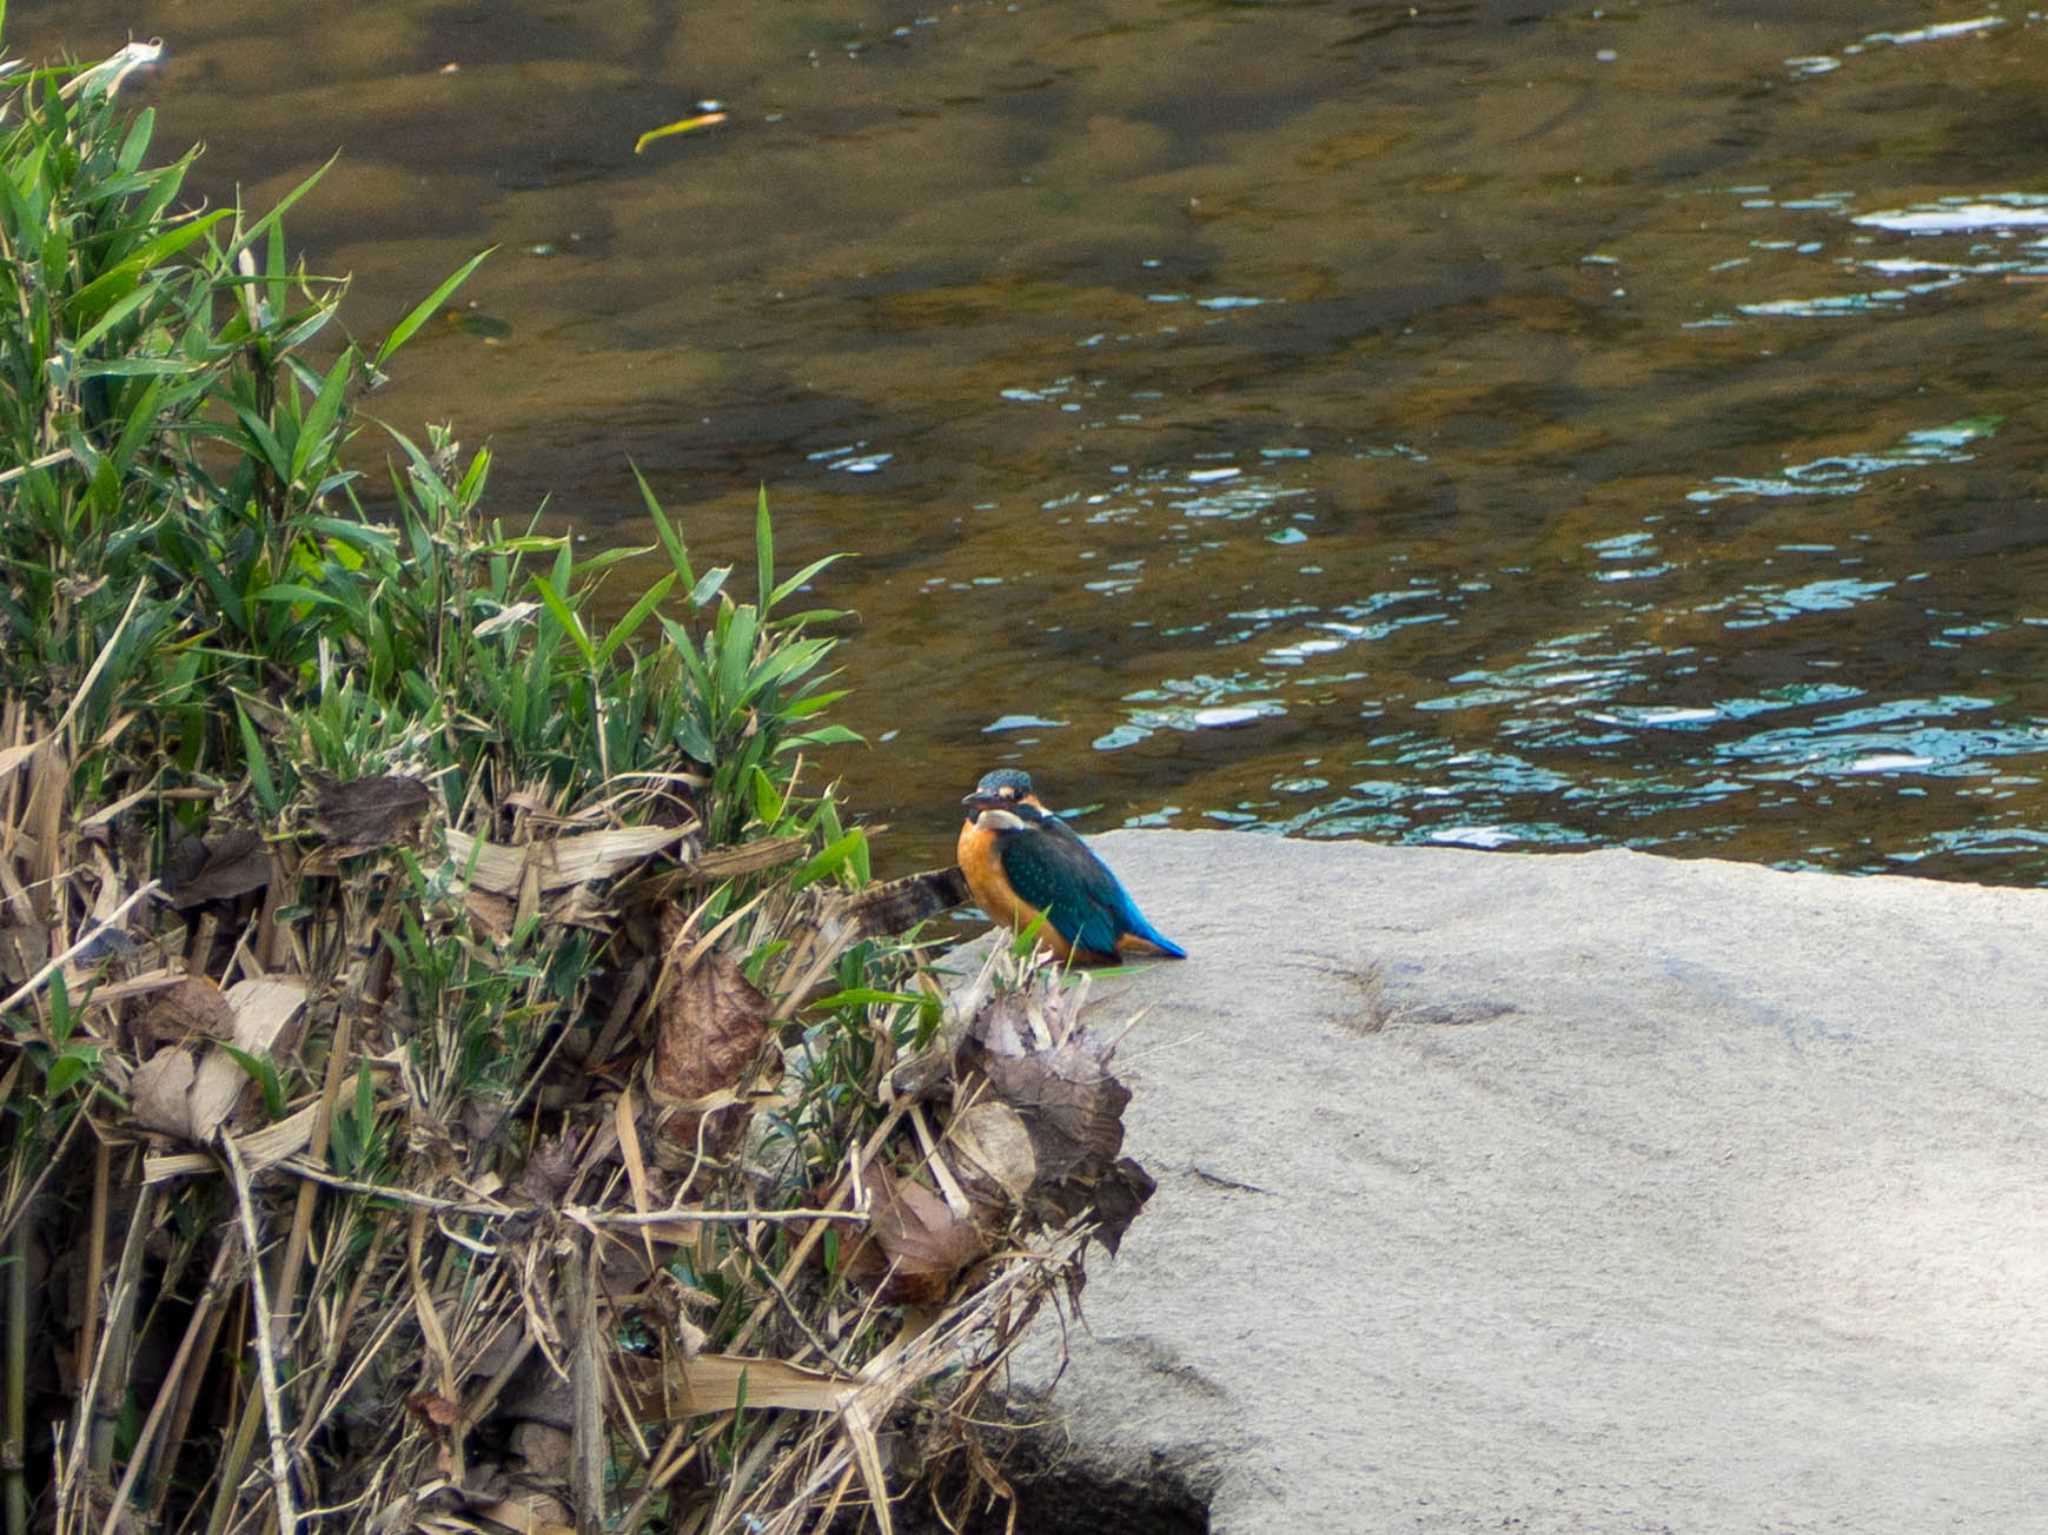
{"type": "Point", "coordinates": [203, 632]}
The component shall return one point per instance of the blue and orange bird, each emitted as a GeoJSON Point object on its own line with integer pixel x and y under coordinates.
{"type": "Point", "coordinates": [1021, 859]}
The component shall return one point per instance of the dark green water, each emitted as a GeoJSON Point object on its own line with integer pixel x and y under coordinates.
{"type": "Point", "coordinates": [1514, 425]}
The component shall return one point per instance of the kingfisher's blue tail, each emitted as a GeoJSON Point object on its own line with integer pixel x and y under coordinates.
{"type": "Point", "coordinates": [1140, 928]}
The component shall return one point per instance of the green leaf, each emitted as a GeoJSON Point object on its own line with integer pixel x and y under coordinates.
{"type": "Point", "coordinates": [326, 407]}
{"type": "Point", "coordinates": [263, 1072]}
{"type": "Point", "coordinates": [566, 617]}
{"type": "Point", "coordinates": [810, 616]}
{"type": "Point", "coordinates": [796, 581]}
{"type": "Point", "coordinates": [266, 443]}
{"type": "Point", "coordinates": [804, 708]}
{"type": "Point", "coordinates": [427, 308]}
{"type": "Point", "coordinates": [602, 562]}
{"type": "Point", "coordinates": [764, 552]}
{"type": "Point", "coordinates": [136, 144]}
{"type": "Point", "coordinates": [767, 798]}
{"type": "Point", "coordinates": [73, 1064]}
{"type": "Point", "coordinates": [112, 285]}
{"type": "Point", "coordinates": [261, 227]}
{"type": "Point", "coordinates": [825, 735]}
{"type": "Point", "coordinates": [115, 316]}
{"type": "Point", "coordinates": [735, 657]}
{"type": "Point", "coordinates": [708, 588]}
{"type": "Point", "coordinates": [867, 996]}
{"type": "Point", "coordinates": [670, 540]}
{"type": "Point", "coordinates": [830, 861]}
{"type": "Point", "coordinates": [636, 615]}
{"type": "Point", "coordinates": [60, 1009]}
{"type": "Point", "coordinates": [259, 762]}
{"type": "Point", "coordinates": [288, 591]}
{"type": "Point", "coordinates": [1027, 940]}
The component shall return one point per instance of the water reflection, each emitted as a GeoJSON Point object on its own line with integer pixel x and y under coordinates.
{"type": "Point", "coordinates": [1501, 426]}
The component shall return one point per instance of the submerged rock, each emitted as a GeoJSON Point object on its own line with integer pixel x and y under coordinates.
{"type": "Point", "coordinates": [1571, 1193]}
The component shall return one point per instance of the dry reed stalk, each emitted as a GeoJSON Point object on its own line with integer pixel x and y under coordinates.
{"type": "Point", "coordinates": [173, 1383]}
{"type": "Point", "coordinates": [302, 1213]}
{"type": "Point", "coordinates": [92, 1434]}
{"type": "Point", "coordinates": [14, 1443]}
{"type": "Point", "coordinates": [34, 983]}
{"type": "Point", "coordinates": [96, 1245]}
{"type": "Point", "coordinates": [266, 1361]}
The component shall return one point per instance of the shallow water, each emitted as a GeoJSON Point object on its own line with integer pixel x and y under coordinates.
{"type": "Point", "coordinates": [1507, 425]}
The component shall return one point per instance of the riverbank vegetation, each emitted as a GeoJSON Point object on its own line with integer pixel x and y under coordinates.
{"type": "Point", "coordinates": [455, 1071]}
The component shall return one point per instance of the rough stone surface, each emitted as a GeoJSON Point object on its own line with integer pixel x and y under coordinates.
{"type": "Point", "coordinates": [1576, 1193]}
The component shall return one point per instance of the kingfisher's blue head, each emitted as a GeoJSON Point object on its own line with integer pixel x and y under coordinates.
{"type": "Point", "coordinates": [1000, 789]}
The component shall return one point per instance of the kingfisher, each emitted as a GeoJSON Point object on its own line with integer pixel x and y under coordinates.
{"type": "Point", "coordinates": [1021, 859]}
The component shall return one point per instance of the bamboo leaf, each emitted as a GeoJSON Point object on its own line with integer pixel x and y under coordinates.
{"type": "Point", "coordinates": [566, 616]}
{"type": "Point", "coordinates": [767, 798]}
{"type": "Point", "coordinates": [710, 586]}
{"type": "Point", "coordinates": [427, 308]}
{"type": "Point", "coordinates": [136, 144]}
{"type": "Point", "coordinates": [824, 735]}
{"type": "Point", "coordinates": [73, 1064]}
{"type": "Point", "coordinates": [326, 407]}
{"type": "Point", "coordinates": [830, 860]}
{"type": "Point", "coordinates": [115, 316]}
{"type": "Point", "coordinates": [598, 563]}
{"type": "Point", "coordinates": [266, 442]}
{"type": "Point", "coordinates": [796, 581]}
{"type": "Point", "coordinates": [636, 615]}
{"type": "Point", "coordinates": [291, 591]}
{"type": "Point", "coordinates": [764, 552]}
{"type": "Point", "coordinates": [112, 285]}
{"type": "Point", "coordinates": [670, 540]}
{"type": "Point", "coordinates": [259, 762]}
{"type": "Point", "coordinates": [867, 996]}
{"type": "Point", "coordinates": [263, 1072]}
{"type": "Point", "coordinates": [261, 227]}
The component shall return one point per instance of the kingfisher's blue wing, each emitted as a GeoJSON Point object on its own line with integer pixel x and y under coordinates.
{"type": "Point", "coordinates": [1056, 872]}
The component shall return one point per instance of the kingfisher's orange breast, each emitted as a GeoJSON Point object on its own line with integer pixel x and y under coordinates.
{"type": "Point", "coordinates": [983, 865]}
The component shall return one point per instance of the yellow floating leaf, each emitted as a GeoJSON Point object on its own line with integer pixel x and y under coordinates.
{"type": "Point", "coordinates": [685, 125]}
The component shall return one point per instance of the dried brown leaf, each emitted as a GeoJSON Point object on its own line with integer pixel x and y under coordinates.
{"type": "Point", "coordinates": [549, 1171]}
{"type": "Point", "coordinates": [665, 1390]}
{"type": "Point", "coordinates": [24, 949]}
{"type": "Point", "coordinates": [991, 1153]}
{"type": "Point", "coordinates": [1115, 1199]}
{"type": "Point", "coordinates": [556, 863]}
{"type": "Point", "coordinates": [12, 757]}
{"type": "Point", "coordinates": [437, 1412]}
{"type": "Point", "coordinates": [544, 1448]}
{"type": "Point", "coordinates": [925, 1243]}
{"type": "Point", "coordinates": [193, 1008]}
{"type": "Point", "coordinates": [217, 868]}
{"type": "Point", "coordinates": [1070, 1104]}
{"type": "Point", "coordinates": [900, 904]}
{"type": "Point", "coordinates": [159, 1092]}
{"type": "Point", "coordinates": [493, 913]}
{"type": "Point", "coordinates": [370, 812]}
{"type": "Point", "coordinates": [177, 1096]}
{"type": "Point", "coordinates": [1069, 1100]}
{"type": "Point", "coordinates": [710, 1024]}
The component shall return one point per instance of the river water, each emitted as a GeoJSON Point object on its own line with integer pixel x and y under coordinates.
{"type": "Point", "coordinates": [1510, 425]}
